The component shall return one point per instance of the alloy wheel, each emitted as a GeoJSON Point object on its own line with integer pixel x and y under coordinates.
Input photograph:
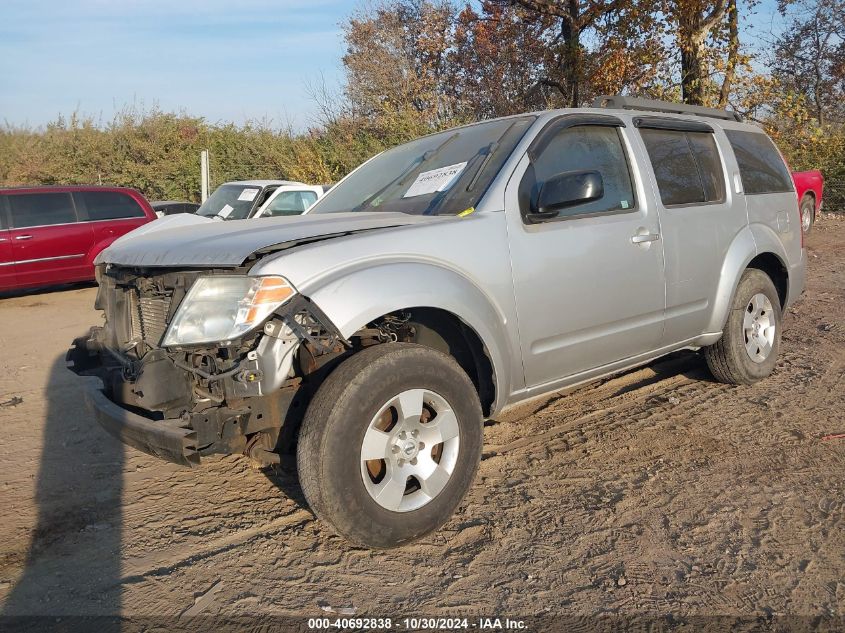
{"type": "Point", "coordinates": [758, 326]}
{"type": "Point", "coordinates": [410, 450]}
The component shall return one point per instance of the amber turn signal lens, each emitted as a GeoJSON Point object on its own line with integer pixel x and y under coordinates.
{"type": "Point", "coordinates": [272, 290]}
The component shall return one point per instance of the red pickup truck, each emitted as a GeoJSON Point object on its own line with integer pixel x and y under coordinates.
{"type": "Point", "coordinates": [809, 185]}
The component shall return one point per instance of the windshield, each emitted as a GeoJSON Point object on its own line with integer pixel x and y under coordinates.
{"type": "Point", "coordinates": [230, 202]}
{"type": "Point", "coordinates": [444, 174]}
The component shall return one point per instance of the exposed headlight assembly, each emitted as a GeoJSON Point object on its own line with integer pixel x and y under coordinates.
{"type": "Point", "coordinates": [223, 307]}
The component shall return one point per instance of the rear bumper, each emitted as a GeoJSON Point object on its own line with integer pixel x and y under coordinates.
{"type": "Point", "coordinates": [167, 439]}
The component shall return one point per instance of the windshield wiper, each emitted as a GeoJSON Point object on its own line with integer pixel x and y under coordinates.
{"type": "Point", "coordinates": [491, 149]}
{"type": "Point", "coordinates": [425, 159]}
{"type": "Point", "coordinates": [476, 174]}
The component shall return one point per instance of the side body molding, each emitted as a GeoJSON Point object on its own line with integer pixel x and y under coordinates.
{"type": "Point", "coordinates": [349, 300]}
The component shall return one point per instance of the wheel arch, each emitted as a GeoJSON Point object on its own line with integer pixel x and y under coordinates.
{"type": "Point", "coordinates": [443, 301]}
{"type": "Point", "coordinates": [748, 250]}
{"type": "Point", "coordinates": [772, 265]}
{"type": "Point", "coordinates": [444, 331]}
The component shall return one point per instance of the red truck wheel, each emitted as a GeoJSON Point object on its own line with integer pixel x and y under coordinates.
{"type": "Point", "coordinates": [808, 212]}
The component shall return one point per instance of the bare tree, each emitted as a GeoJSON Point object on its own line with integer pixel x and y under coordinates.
{"type": "Point", "coordinates": [809, 58]}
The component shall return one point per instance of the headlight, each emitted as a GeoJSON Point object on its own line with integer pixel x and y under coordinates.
{"type": "Point", "coordinates": [222, 308]}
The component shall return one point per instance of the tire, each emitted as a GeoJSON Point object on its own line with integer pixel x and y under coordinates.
{"type": "Point", "coordinates": [741, 357]}
{"type": "Point", "coordinates": [360, 401]}
{"type": "Point", "coordinates": [808, 212]}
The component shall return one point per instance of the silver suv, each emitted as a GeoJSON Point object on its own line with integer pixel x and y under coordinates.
{"type": "Point", "coordinates": [439, 283]}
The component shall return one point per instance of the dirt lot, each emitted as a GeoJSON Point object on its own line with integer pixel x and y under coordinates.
{"type": "Point", "coordinates": [656, 491]}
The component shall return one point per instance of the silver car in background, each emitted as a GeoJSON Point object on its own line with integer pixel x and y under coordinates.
{"type": "Point", "coordinates": [439, 283]}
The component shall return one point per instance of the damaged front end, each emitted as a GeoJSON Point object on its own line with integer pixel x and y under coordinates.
{"type": "Point", "coordinates": [183, 400]}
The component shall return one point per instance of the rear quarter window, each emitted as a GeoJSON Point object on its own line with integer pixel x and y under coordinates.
{"type": "Point", "coordinates": [41, 209]}
{"type": "Point", "coordinates": [109, 205]}
{"type": "Point", "coordinates": [760, 165]}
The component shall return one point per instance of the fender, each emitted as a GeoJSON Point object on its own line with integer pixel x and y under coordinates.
{"type": "Point", "coordinates": [747, 244]}
{"type": "Point", "coordinates": [347, 298]}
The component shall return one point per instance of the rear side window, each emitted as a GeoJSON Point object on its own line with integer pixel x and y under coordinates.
{"type": "Point", "coordinates": [706, 155]}
{"type": "Point", "coordinates": [760, 165]}
{"type": "Point", "coordinates": [109, 205]}
{"type": "Point", "coordinates": [41, 209]}
{"type": "Point", "coordinates": [686, 165]}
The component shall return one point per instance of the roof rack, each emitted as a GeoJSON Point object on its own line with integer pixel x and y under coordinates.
{"type": "Point", "coordinates": [636, 103]}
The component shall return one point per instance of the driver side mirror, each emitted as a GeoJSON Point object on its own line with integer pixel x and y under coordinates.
{"type": "Point", "coordinates": [564, 190]}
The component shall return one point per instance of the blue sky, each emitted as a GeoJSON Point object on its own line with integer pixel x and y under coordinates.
{"type": "Point", "coordinates": [226, 60]}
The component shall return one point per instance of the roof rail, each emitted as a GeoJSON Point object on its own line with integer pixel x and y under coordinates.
{"type": "Point", "coordinates": [636, 103]}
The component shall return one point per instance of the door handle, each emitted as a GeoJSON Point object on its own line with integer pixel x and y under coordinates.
{"type": "Point", "coordinates": [646, 237]}
{"type": "Point", "coordinates": [23, 237]}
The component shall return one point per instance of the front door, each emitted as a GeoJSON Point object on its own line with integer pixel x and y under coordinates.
{"type": "Point", "coordinates": [589, 282]}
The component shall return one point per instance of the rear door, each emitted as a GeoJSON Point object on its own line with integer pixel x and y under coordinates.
{"type": "Point", "coordinates": [7, 270]}
{"type": "Point", "coordinates": [110, 215]}
{"type": "Point", "coordinates": [699, 218]}
{"type": "Point", "coordinates": [49, 244]}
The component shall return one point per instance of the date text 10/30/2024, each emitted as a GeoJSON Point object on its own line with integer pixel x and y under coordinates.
{"type": "Point", "coordinates": [415, 624]}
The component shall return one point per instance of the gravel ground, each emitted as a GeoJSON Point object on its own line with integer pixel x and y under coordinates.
{"type": "Point", "coordinates": [657, 491]}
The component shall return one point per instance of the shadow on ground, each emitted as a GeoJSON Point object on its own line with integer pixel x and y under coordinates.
{"type": "Point", "coordinates": [73, 565]}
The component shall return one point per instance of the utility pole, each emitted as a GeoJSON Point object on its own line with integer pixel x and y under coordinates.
{"type": "Point", "coordinates": [204, 175]}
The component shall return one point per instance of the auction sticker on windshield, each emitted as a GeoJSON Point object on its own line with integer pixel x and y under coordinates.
{"type": "Point", "coordinates": [439, 179]}
{"type": "Point", "coordinates": [248, 195]}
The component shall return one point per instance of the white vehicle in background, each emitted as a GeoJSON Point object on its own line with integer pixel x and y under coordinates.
{"type": "Point", "coordinates": [244, 199]}
{"type": "Point", "coordinates": [290, 199]}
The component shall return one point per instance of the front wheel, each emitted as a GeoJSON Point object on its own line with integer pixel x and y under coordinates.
{"type": "Point", "coordinates": [808, 212]}
{"type": "Point", "coordinates": [748, 349]}
{"type": "Point", "coordinates": [390, 444]}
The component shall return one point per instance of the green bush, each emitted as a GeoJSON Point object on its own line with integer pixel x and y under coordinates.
{"type": "Point", "coordinates": [158, 152]}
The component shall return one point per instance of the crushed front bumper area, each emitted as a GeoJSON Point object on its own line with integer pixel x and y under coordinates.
{"type": "Point", "coordinates": [171, 440]}
{"type": "Point", "coordinates": [181, 435]}
{"type": "Point", "coordinates": [183, 403]}
{"type": "Point", "coordinates": [187, 439]}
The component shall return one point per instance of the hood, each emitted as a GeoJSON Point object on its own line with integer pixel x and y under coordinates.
{"type": "Point", "coordinates": [191, 240]}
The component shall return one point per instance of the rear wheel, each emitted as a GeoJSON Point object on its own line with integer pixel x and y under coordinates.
{"type": "Point", "coordinates": [808, 212]}
{"type": "Point", "coordinates": [748, 349]}
{"type": "Point", "coordinates": [390, 444]}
